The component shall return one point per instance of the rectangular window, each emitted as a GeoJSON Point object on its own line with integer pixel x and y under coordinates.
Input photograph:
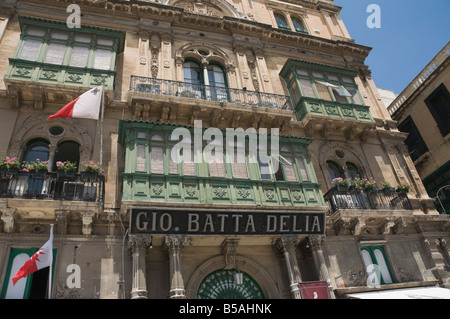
{"type": "Point", "coordinates": [303, 170]}
{"type": "Point", "coordinates": [239, 165]}
{"type": "Point", "coordinates": [307, 88]}
{"type": "Point", "coordinates": [264, 167]}
{"type": "Point", "coordinates": [55, 53]}
{"type": "Point", "coordinates": [376, 264]}
{"type": "Point", "coordinates": [414, 141]}
{"type": "Point", "coordinates": [30, 50]}
{"type": "Point", "coordinates": [79, 56]}
{"type": "Point", "coordinates": [356, 99]}
{"type": "Point", "coordinates": [156, 160]}
{"type": "Point", "coordinates": [173, 162]}
{"type": "Point", "coordinates": [188, 161]}
{"type": "Point", "coordinates": [288, 165]}
{"type": "Point", "coordinates": [323, 92]}
{"type": "Point", "coordinates": [140, 158]}
{"type": "Point", "coordinates": [102, 59]}
{"type": "Point", "coordinates": [439, 105]}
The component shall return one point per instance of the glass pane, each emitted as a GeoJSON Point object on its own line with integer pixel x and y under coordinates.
{"type": "Point", "coordinates": [55, 53]}
{"type": "Point", "coordinates": [239, 164]}
{"type": "Point", "coordinates": [35, 31]}
{"type": "Point", "coordinates": [303, 170]}
{"type": "Point", "coordinates": [323, 92]}
{"type": "Point", "coordinates": [173, 164]}
{"type": "Point", "coordinates": [295, 91]}
{"type": "Point", "coordinates": [84, 38]}
{"type": "Point", "coordinates": [188, 161]}
{"type": "Point", "coordinates": [79, 56]}
{"type": "Point", "coordinates": [59, 35]}
{"type": "Point", "coordinates": [298, 25]}
{"type": "Point", "coordinates": [140, 158]}
{"type": "Point", "coordinates": [216, 76]}
{"type": "Point", "coordinates": [264, 169]}
{"type": "Point", "coordinates": [302, 72]}
{"type": "Point", "coordinates": [157, 163]}
{"type": "Point", "coordinates": [307, 88]}
{"type": "Point", "coordinates": [105, 41]}
{"type": "Point", "coordinates": [383, 266]}
{"type": "Point", "coordinates": [289, 169]}
{"type": "Point", "coordinates": [102, 59]}
{"type": "Point", "coordinates": [338, 97]}
{"type": "Point", "coordinates": [281, 22]}
{"type": "Point", "coordinates": [192, 72]}
{"type": "Point", "coordinates": [355, 95]}
{"type": "Point", "coordinates": [30, 50]}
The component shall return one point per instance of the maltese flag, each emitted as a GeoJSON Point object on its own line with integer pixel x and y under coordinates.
{"type": "Point", "coordinates": [85, 106]}
{"type": "Point", "coordinates": [41, 259]}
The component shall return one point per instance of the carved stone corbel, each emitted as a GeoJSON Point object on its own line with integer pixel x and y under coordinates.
{"type": "Point", "coordinates": [9, 219]}
{"type": "Point", "coordinates": [229, 250]}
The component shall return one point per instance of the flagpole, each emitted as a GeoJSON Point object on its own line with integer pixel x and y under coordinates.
{"type": "Point", "coordinates": [101, 122]}
{"type": "Point", "coordinates": [51, 265]}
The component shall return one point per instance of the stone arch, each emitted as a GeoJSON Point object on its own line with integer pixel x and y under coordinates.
{"type": "Point", "coordinates": [39, 127]}
{"type": "Point", "coordinates": [215, 8]}
{"type": "Point", "coordinates": [245, 264]}
{"type": "Point", "coordinates": [327, 152]}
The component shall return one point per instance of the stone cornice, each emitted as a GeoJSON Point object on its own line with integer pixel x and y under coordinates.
{"type": "Point", "coordinates": [134, 9]}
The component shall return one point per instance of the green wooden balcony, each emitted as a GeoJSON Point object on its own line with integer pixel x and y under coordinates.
{"type": "Point", "coordinates": [210, 190]}
{"type": "Point", "coordinates": [57, 74]}
{"type": "Point", "coordinates": [319, 107]}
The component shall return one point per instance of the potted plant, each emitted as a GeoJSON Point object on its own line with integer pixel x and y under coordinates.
{"type": "Point", "coordinates": [90, 170]}
{"type": "Point", "coordinates": [404, 187]}
{"type": "Point", "coordinates": [340, 183]}
{"type": "Point", "coordinates": [370, 184]}
{"type": "Point", "coordinates": [359, 184]}
{"type": "Point", "coordinates": [388, 188]}
{"type": "Point", "coordinates": [66, 168]}
{"type": "Point", "coordinates": [9, 165]}
{"type": "Point", "coordinates": [37, 168]}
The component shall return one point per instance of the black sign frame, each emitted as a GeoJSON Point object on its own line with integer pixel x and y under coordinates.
{"type": "Point", "coordinates": [177, 222]}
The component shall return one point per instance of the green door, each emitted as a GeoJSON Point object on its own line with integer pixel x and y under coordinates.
{"type": "Point", "coordinates": [221, 285]}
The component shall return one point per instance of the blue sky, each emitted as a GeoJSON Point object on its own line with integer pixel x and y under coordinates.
{"type": "Point", "coordinates": [412, 32]}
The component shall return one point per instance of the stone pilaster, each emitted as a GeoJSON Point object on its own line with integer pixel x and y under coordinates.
{"type": "Point", "coordinates": [286, 246]}
{"type": "Point", "coordinates": [139, 246]}
{"type": "Point", "coordinates": [173, 245]}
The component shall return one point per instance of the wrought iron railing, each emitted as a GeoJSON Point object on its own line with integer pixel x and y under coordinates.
{"type": "Point", "coordinates": [49, 185]}
{"type": "Point", "coordinates": [374, 200]}
{"type": "Point", "coordinates": [147, 85]}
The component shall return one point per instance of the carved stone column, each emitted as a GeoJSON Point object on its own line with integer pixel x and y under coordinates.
{"type": "Point", "coordinates": [316, 242]}
{"type": "Point", "coordinates": [173, 245]}
{"type": "Point", "coordinates": [139, 246]}
{"type": "Point", "coordinates": [229, 250]}
{"type": "Point", "coordinates": [286, 246]}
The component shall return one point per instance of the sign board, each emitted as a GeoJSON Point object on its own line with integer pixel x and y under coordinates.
{"type": "Point", "coordinates": [314, 290]}
{"type": "Point", "coordinates": [146, 221]}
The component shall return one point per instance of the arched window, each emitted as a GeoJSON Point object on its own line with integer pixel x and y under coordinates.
{"type": "Point", "coordinates": [196, 78]}
{"type": "Point", "coordinates": [192, 72]}
{"type": "Point", "coordinates": [352, 171]}
{"type": "Point", "coordinates": [67, 151]}
{"type": "Point", "coordinates": [281, 22]}
{"type": "Point", "coordinates": [299, 26]}
{"type": "Point", "coordinates": [334, 171]}
{"type": "Point", "coordinates": [36, 149]}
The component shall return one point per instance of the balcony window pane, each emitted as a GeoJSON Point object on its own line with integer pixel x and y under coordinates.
{"type": "Point", "coordinates": [83, 38]}
{"type": "Point", "coordinates": [323, 92]}
{"type": "Point", "coordinates": [30, 50]}
{"type": "Point", "coordinates": [289, 170]}
{"type": "Point", "coordinates": [140, 158]}
{"type": "Point", "coordinates": [356, 99]}
{"type": "Point", "coordinates": [303, 171]}
{"type": "Point", "coordinates": [59, 35]}
{"type": "Point", "coordinates": [156, 163]}
{"type": "Point", "coordinates": [307, 88]}
{"type": "Point", "coordinates": [102, 59]}
{"type": "Point", "coordinates": [55, 53]}
{"type": "Point", "coordinates": [38, 32]}
{"type": "Point", "coordinates": [79, 56]}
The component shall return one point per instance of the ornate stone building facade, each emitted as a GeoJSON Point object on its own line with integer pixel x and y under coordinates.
{"type": "Point", "coordinates": [159, 223]}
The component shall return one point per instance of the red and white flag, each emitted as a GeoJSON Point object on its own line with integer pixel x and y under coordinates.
{"type": "Point", "coordinates": [85, 106]}
{"type": "Point", "coordinates": [41, 259]}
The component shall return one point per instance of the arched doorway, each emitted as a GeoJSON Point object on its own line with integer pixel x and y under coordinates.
{"type": "Point", "coordinates": [221, 284]}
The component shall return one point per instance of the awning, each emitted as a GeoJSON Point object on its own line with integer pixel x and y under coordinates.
{"type": "Point", "coordinates": [408, 293]}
